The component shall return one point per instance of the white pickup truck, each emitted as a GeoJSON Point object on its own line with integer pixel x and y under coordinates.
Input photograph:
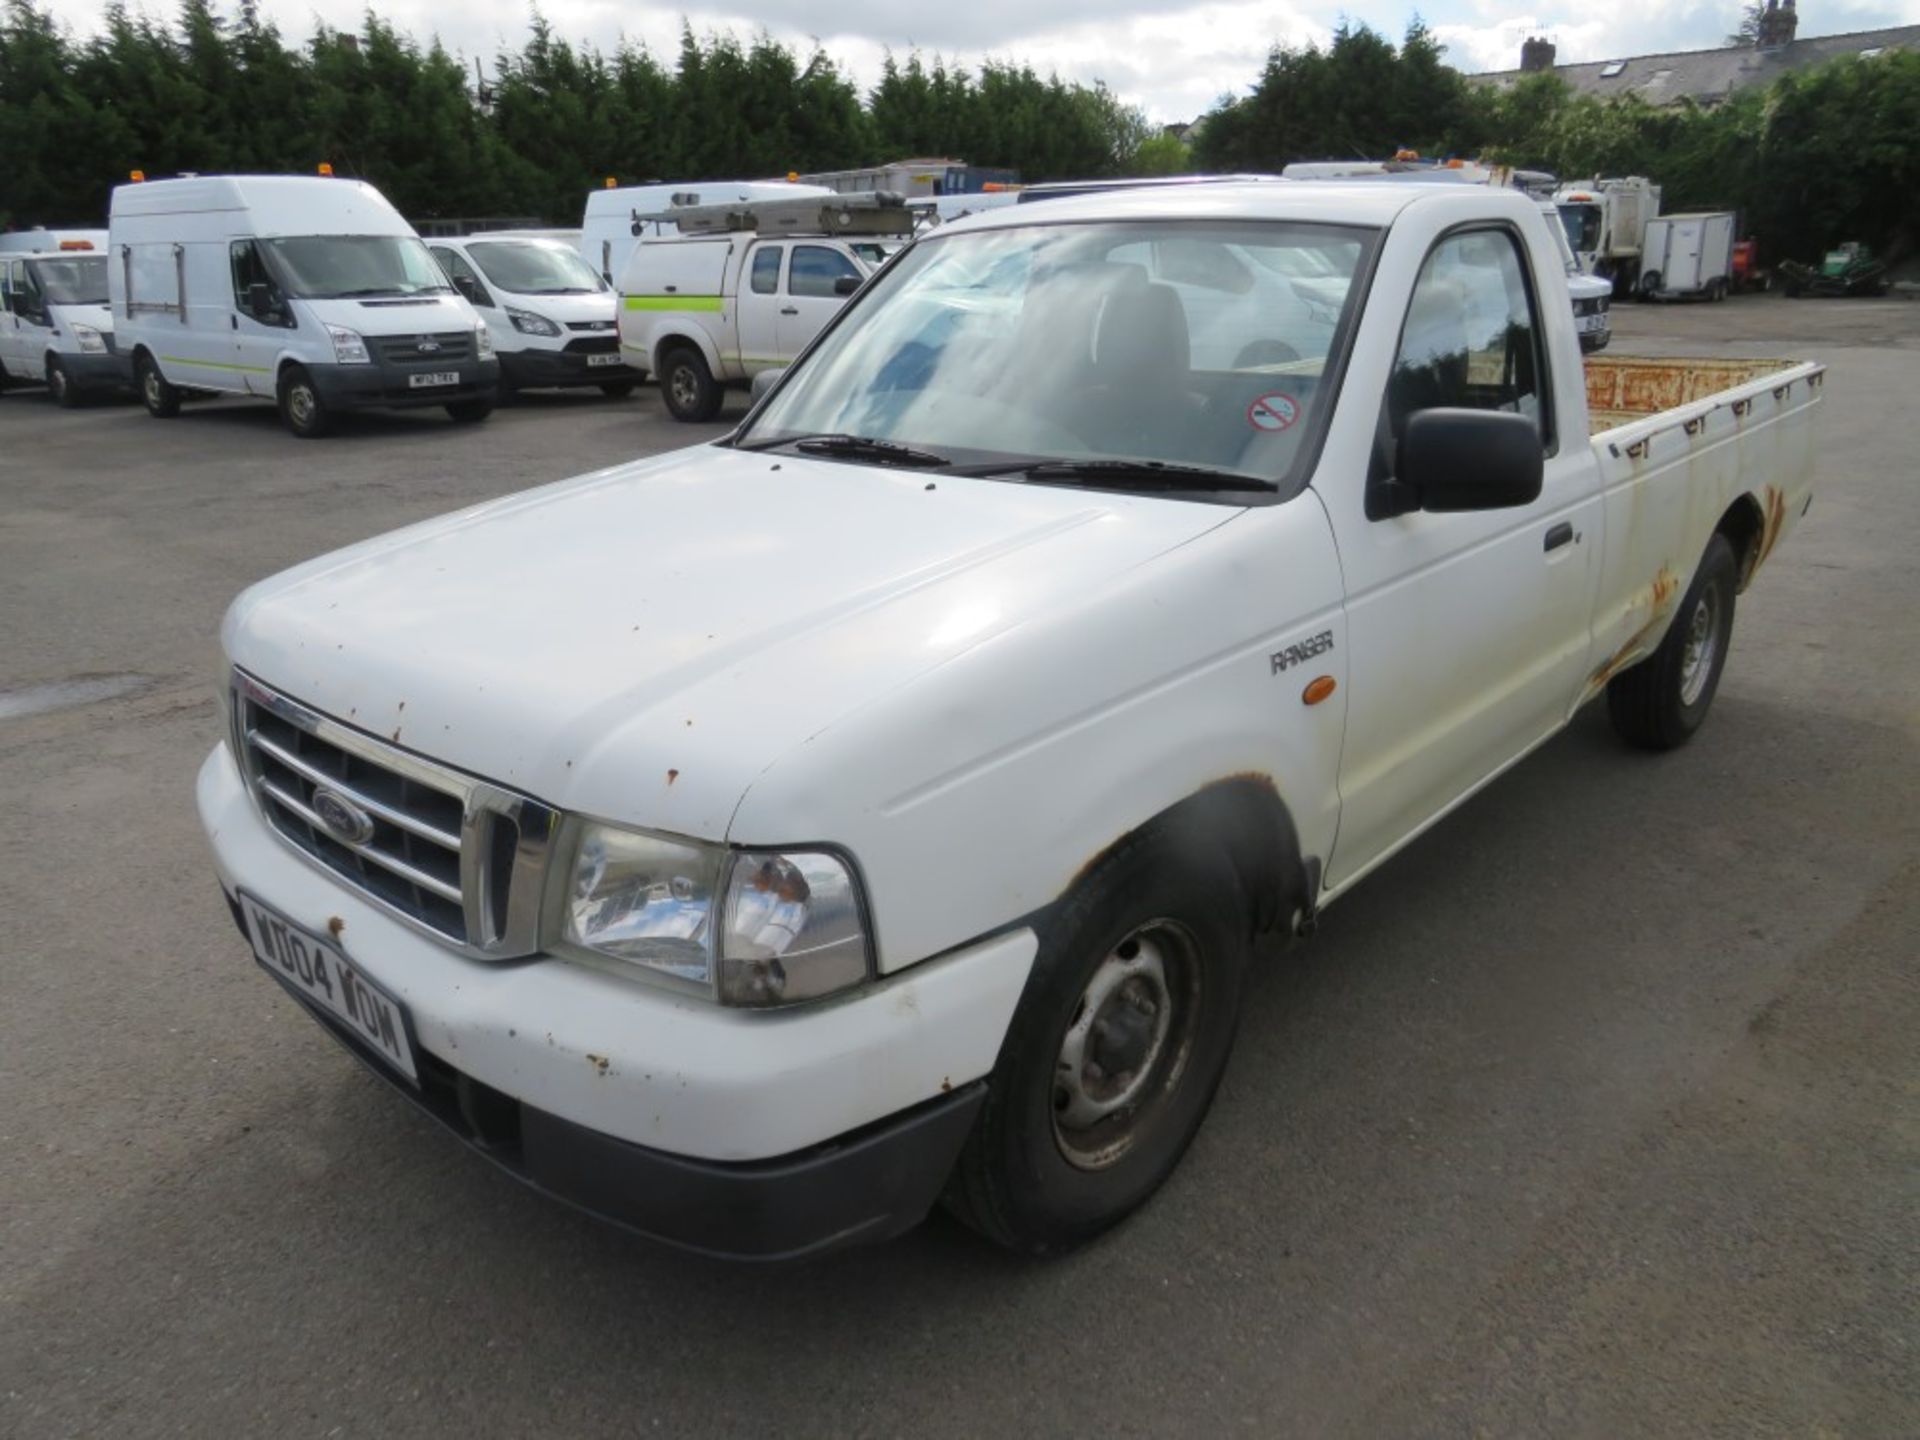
{"type": "Point", "coordinates": [757, 843]}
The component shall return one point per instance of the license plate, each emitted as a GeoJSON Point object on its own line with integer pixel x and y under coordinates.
{"type": "Point", "coordinates": [434, 377]}
{"type": "Point", "coordinates": [319, 971]}
{"type": "Point", "coordinates": [594, 360]}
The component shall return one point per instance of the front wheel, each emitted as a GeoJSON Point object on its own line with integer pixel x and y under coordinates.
{"type": "Point", "coordinates": [1660, 702]}
{"type": "Point", "coordinates": [470, 412]}
{"type": "Point", "coordinates": [1113, 1057]}
{"type": "Point", "coordinates": [160, 398]}
{"type": "Point", "coordinates": [60, 385]}
{"type": "Point", "coordinates": [691, 392]}
{"type": "Point", "coordinates": [300, 404]}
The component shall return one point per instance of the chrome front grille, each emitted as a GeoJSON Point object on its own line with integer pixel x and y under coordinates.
{"type": "Point", "coordinates": [428, 352]}
{"type": "Point", "coordinates": [452, 855]}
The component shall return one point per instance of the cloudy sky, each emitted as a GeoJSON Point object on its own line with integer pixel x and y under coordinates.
{"type": "Point", "coordinates": [1173, 58]}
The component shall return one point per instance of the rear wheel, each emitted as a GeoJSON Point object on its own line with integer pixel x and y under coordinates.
{"type": "Point", "coordinates": [60, 384]}
{"type": "Point", "coordinates": [1113, 1056]}
{"type": "Point", "coordinates": [691, 392]}
{"type": "Point", "coordinates": [160, 398]}
{"type": "Point", "coordinates": [470, 412]}
{"type": "Point", "coordinates": [1660, 702]}
{"type": "Point", "coordinates": [300, 404]}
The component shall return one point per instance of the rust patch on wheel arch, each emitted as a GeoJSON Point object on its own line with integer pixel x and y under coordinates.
{"type": "Point", "coordinates": [1659, 598]}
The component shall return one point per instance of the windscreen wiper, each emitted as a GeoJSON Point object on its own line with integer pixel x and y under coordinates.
{"type": "Point", "coordinates": [1142, 474]}
{"type": "Point", "coordinates": [855, 447]}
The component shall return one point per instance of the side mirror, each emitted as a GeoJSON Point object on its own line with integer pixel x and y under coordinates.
{"type": "Point", "coordinates": [764, 381]}
{"type": "Point", "coordinates": [846, 284]}
{"type": "Point", "coordinates": [1450, 460]}
{"type": "Point", "coordinates": [260, 300]}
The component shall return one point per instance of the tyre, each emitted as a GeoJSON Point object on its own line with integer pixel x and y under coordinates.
{"type": "Point", "coordinates": [617, 389]}
{"type": "Point", "coordinates": [470, 412]}
{"type": "Point", "coordinates": [300, 404]}
{"type": "Point", "coordinates": [160, 398]}
{"type": "Point", "coordinates": [1660, 702]}
{"type": "Point", "coordinates": [1116, 1049]}
{"type": "Point", "coordinates": [691, 392]}
{"type": "Point", "coordinates": [60, 384]}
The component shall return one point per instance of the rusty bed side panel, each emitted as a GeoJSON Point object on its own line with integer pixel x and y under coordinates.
{"type": "Point", "coordinates": [1624, 388]}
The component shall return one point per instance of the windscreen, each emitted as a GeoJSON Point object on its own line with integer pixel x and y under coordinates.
{"type": "Point", "coordinates": [1583, 226]}
{"type": "Point", "coordinates": [339, 267]}
{"type": "Point", "coordinates": [527, 267]}
{"type": "Point", "coordinates": [1198, 343]}
{"type": "Point", "coordinates": [79, 281]}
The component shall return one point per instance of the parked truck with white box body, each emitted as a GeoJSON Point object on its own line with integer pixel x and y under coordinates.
{"type": "Point", "coordinates": [56, 329]}
{"type": "Point", "coordinates": [743, 289]}
{"type": "Point", "coordinates": [1688, 256]}
{"type": "Point", "coordinates": [880, 803]}
{"type": "Point", "coordinates": [308, 291]}
{"type": "Point", "coordinates": [1606, 220]}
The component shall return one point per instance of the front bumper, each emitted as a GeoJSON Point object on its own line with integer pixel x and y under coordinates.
{"type": "Point", "coordinates": [754, 1135]}
{"type": "Point", "coordinates": [382, 385]}
{"type": "Point", "coordinates": [538, 369]}
{"type": "Point", "coordinates": [91, 374]}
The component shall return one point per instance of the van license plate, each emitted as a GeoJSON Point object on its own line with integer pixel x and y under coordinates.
{"type": "Point", "coordinates": [434, 377]}
{"type": "Point", "coordinates": [613, 359]}
{"type": "Point", "coordinates": [320, 973]}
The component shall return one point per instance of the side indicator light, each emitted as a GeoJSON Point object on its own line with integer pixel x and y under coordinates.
{"type": "Point", "coordinates": [1318, 689]}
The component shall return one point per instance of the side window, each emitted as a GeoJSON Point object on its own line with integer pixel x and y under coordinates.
{"type": "Point", "coordinates": [7, 286]}
{"type": "Point", "coordinates": [815, 268]}
{"type": "Point", "coordinates": [464, 277]}
{"type": "Point", "coordinates": [1471, 338]}
{"type": "Point", "coordinates": [250, 269]}
{"type": "Point", "coordinates": [766, 269]}
{"type": "Point", "coordinates": [26, 281]}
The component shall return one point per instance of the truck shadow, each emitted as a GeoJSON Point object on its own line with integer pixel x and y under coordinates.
{"type": "Point", "coordinates": [1404, 1088]}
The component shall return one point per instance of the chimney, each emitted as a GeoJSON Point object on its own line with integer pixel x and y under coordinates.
{"type": "Point", "coordinates": [1777, 24]}
{"type": "Point", "coordinates": [1536, 56]}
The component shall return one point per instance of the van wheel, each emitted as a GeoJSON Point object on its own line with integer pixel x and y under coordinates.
{"type": "Point", "coordinates": [60, 385]}
{"type": "Point", "coordinates": [160, 398]}
{"type": "Point", "coordinates": [617, 389]}
{"type": "Point", "coordinates": [1116, 1049]}
{"type": "Point", "coordinates": [300, 404]}
{"type": "Point", "coordinates": [691, 392]}
{"type": "Point", "coordinates": [1660, 702]}
{"type": "Point", "coordinates": [470, 412]}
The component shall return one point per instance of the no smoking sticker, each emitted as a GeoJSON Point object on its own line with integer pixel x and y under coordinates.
{"type": "Point", "coordinates": [1273, 413]}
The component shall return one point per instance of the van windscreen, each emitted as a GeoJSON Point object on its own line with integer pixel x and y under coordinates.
{"type": "Point", "coordinates": [340, 267]}
{"type": "Point", "coordinates": [530, 267]}
{"type": "Point", "coordinates": [79, 281]}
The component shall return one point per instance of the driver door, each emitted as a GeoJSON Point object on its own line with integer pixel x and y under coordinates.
{"type": "Point", "coordinates": [257, 339]}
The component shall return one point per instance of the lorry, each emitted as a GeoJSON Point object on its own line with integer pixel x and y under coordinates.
{"type": "Point", "coordinates": [55, 327]}
{"type": "Point", "coordinates": [741, 289]}
{"type": "Point", "coordinates": [618, 215]}
{"type": "Point", "coordinates": [1606, 222]}
{"type": "Point", "coordinates": [1687, 256]}
{"type": "Point", "coordinates": [551, 314]}
{"type": "Point", "coordinates": [879, 806]}
{"type": "Point", "coordinates": [308, 291]}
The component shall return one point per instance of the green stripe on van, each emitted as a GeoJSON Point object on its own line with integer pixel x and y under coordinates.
{"type": "Point", "coordinates": [216, 365]}
{"type": "Point", "coordinates": [674, 302]}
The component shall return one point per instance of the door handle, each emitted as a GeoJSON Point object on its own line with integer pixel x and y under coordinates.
{"type": "Point", "coordinates": [788, 310]}
{"type": "Point", "coordinates": [1559, 535]}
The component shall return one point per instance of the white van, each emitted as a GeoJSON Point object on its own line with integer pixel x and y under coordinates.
{"type": "Point", "coordinates": [551, 314]}
{"type": "Point", "coordinates": [615, 218]}
{"type": "Point", "coordinates": [55, 327]}
{"type": "Point", "coordinates": [305, 290]}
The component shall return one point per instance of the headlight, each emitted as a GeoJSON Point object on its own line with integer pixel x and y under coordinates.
{"type": "Point", "coordinates": [752, 928]}
{"type": "Point", "coordinates": [348, 347]}
{"type": "Point", "coordinates": [483, 341]}
{"type": "Point", "coordinates": [528, 323]}
{"type": "Point", "coordinates": [88, 339]}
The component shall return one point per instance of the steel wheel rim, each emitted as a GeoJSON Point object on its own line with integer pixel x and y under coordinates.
{"type": "Point", "coordinates": [1701, 647]}
{"type": "Point", "coordinates": [57, 382]}
{"type": "Point", "coordinates": [1126, 1045]}
{"type": "Point", "coordinates": [685, 391]}
{"type": "Point", "coordinates": [151, 387]}
{"type": "Point", "coordinates": [300, 405]}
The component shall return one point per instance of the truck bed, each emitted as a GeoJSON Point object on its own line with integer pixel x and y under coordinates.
{"type": "Point", "coordinates": [1625, 388]}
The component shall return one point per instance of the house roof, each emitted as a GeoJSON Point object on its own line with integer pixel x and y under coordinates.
{"type": "Point", "coordinates": [1709, 76]}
